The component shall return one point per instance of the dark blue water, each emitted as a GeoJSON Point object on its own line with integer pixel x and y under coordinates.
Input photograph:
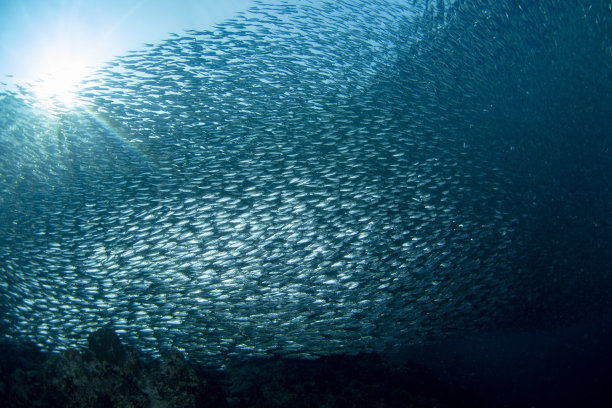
{"type": "Point", "coordinates": [563, 367]}
{"type": "Point", "coordinates": [551, 86]}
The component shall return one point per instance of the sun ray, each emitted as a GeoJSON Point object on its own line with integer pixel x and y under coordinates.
{"type": "Point", "coordinates": [115, 131]}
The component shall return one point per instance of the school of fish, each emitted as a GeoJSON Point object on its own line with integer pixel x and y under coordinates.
{"type": "Point", "coordinates": [304, 179]}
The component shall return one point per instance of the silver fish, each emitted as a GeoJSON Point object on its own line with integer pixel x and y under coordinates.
{"type": "Point", "coordinates": [307, 178]}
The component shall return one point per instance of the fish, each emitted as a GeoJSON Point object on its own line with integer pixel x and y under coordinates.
{"type": "Point", "coordinates": [307, 178]}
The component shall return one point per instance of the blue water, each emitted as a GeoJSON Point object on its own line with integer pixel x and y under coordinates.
{"type": "Point", "coordinates": [563, 367]}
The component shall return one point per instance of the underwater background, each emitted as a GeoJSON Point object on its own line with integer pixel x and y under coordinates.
{"type": "Point", "coordinates": [426, 180]}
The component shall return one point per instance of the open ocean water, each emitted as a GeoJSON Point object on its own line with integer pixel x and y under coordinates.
{"type": "Point", "coordinates": [429, 180]}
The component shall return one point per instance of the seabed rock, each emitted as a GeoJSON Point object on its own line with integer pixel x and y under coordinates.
{"type": "Point", "coordinates": [109, 374]}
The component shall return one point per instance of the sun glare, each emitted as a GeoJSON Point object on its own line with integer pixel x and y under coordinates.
{"type": "Point", "coordinates": [61, 79]}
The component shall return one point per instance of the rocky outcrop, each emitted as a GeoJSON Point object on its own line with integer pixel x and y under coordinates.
{"type": "Point", "coordinates": [109, 374]}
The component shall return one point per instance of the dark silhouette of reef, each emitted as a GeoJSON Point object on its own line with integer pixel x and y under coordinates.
{"type": "Point", "coordinates": [109, 374]}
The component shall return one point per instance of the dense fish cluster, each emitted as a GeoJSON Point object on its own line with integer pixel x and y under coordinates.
{"type": "Point", "coordinates": [307, 178]}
